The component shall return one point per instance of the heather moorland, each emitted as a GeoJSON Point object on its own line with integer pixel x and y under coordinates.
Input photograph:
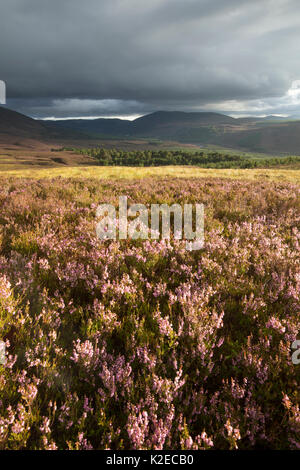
{"type": "Point", "coordinates": [140, 344]}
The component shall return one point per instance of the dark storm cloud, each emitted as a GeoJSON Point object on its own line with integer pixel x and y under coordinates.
{"type": "Point", "coordinates": [69, 57]}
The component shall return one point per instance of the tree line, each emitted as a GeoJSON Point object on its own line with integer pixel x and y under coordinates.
{"type": "Point", "coordinates": [148, 158]}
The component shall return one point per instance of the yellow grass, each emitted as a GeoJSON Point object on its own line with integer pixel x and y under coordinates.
{"type": "Point", "coordinates": [175, 171]}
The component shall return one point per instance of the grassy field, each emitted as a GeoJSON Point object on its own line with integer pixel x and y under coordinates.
{"type": "Point", "coordinates": [173, 171]}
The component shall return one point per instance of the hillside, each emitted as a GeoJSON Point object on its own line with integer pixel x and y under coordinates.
{"type": "Point", "coordinates": [26, 142]}
{"type": "Point", "coordinates": [271, 134]}
{"type": "Point", "coordinates": [161, 124]}
{"type": "Point", "coordinates": [16, 124]}
{"type": "Point", "coordinates": [275, 138]}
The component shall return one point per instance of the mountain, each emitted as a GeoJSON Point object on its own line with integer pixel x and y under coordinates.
{"type": "Point", "coordinates": [161, 124]}
{"type": "Point", "coordinates": [271, 134]}
{"type": "Point", "coordinates": [109, 127]}
{"type": "Point", "coordinates": [18, 125]}
{"type": "Point", "coordinates": [255, 119]}
{"type": "Point", "coordinates": [273, 117]}
{"type": "Point", "coordinates": [274, 137]}
{"type": "Point", "coordinates": [14, 125]}
{"type": "Point", "coordinates": [25, 141]}
{"type": "Point", "coordinates": [177, 125]}
{"type": "Point", "coordinates": [167, 118]}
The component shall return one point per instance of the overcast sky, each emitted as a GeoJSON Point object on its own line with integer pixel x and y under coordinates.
{"type": "Point", "coordinates": [71, 58]}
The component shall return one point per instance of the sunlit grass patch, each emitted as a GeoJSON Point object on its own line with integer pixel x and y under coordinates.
{"type": "Point", "coordinates": [174, 171]}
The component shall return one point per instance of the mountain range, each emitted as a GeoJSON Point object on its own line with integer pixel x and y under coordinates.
{"type": "Point", "coordinates": [271, 134]}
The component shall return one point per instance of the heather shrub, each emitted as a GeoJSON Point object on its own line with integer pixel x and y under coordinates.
{"type": "Point", "coordinates": [142, 344]}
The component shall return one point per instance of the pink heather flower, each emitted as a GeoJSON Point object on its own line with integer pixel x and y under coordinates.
{"type": "Point", "coordinates": [86, 406]}
{"type": "Point", "coordinates": [44, 264]}
{"type": "Point", "coordinates": [45, 427]}
{"type": "Point", "coordinates": [6, 298]}
{"type": "Point", "coordinates": [83, 352]}
{"type": "Point", "coordinates": [206, 440]}
{"type": "Point", "coordinates": [188, 443]}
{"type": "Point", "coordinates": [275, 324]}
{"type": "Point", "coordinates": [28, 392]}
{"type": "Point", "coordinates": [228, 427]}
{"type": "Point", "coordinates": [82, 443]}
{"type": "Point", "coordinates": [137, 428]}
{"type": "Point", "coordinates": [164, 325]}
{"type": "Point", "coordinates": [5, 288]}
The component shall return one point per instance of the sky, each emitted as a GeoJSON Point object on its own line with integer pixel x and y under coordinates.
{"type": "Point", "coordinates": [126, 58]}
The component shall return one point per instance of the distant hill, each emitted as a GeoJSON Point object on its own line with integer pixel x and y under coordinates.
{"type": "Point", "coordinates": [14, 125]}
{"type": "Point", "coordinates": [281, 137]}
{"type": "Point", "coordinates": [167, 118]}
{"type": "Point", "coordinates": [271, 134]}
{"type": "Point", "coordinates": [161, 124]}
{"type": "Point", "coordinates": [177, 125]}
{"type": "Point", "coordinates": [18, 125]}
{"type": "Point", "coordinates": [109, 127]}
